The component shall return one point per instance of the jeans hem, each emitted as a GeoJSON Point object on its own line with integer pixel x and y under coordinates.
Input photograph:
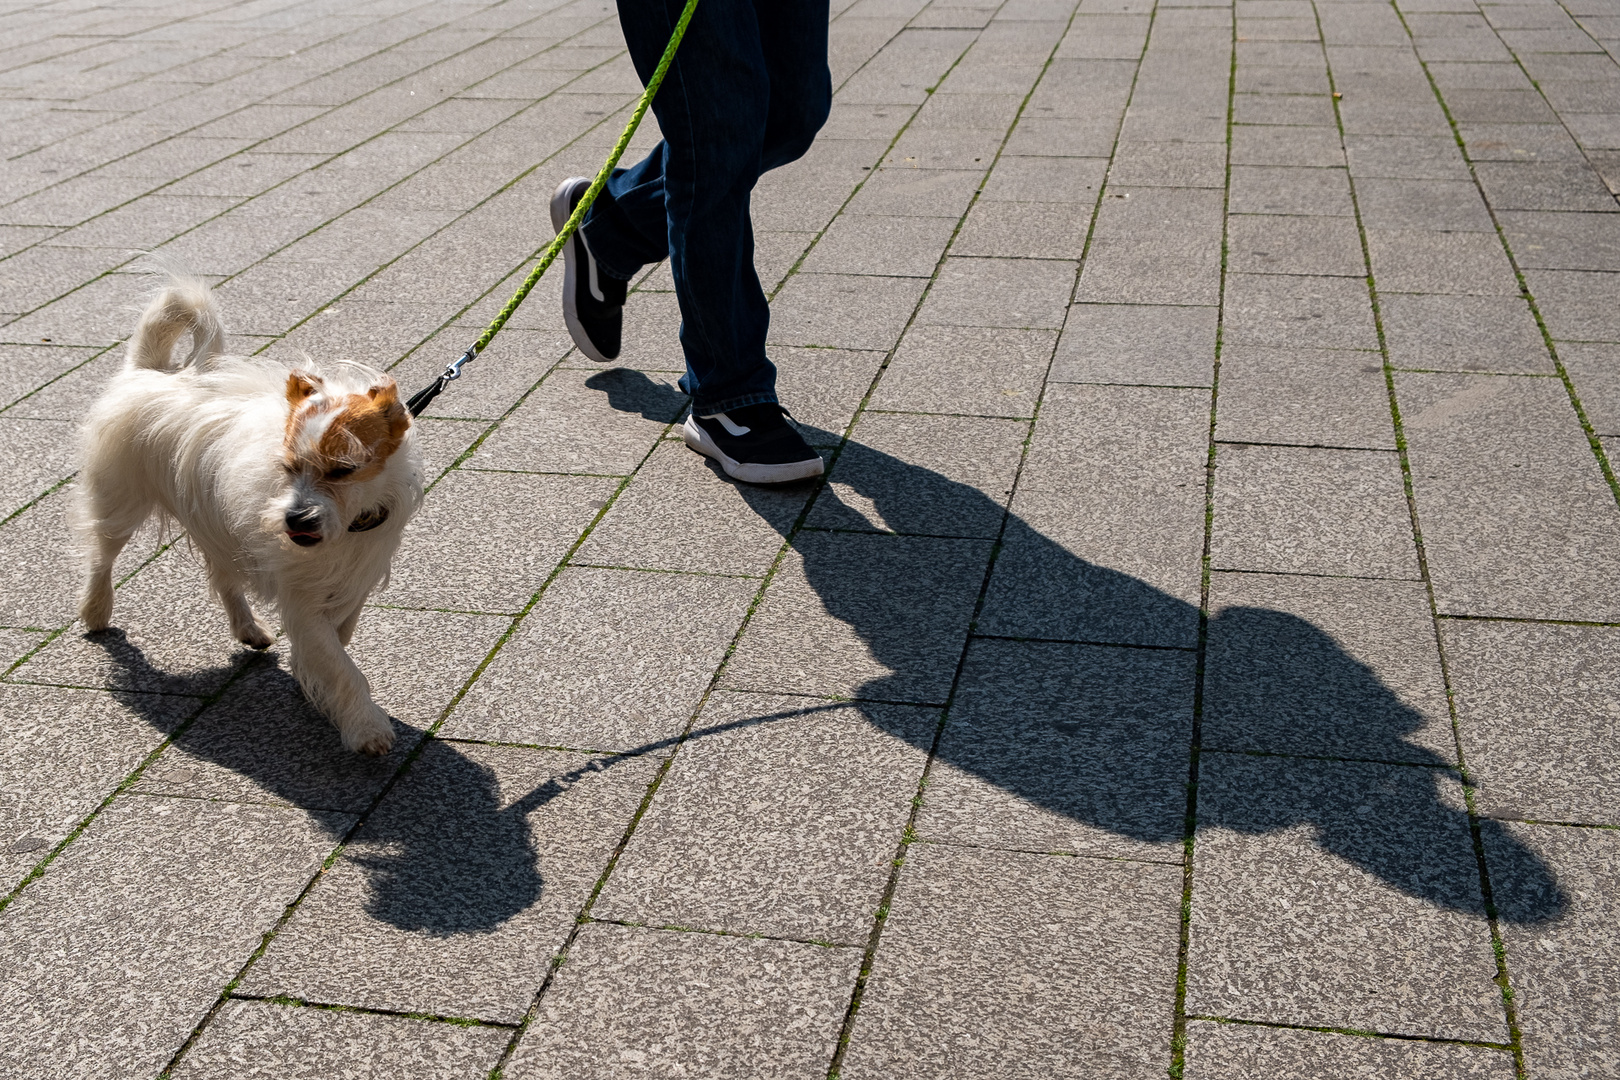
{"type": "Point", "coordinates": [707, 408]}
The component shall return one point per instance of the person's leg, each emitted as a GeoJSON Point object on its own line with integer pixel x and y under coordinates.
{"type": "Point", "coordinates": [629, 223]}
{"type": "Point", "coordinates": [793, 38]}
{"type": "Point", "coordinates": [627, 227]}
{"type": "Point", "coordinates": [746, 82]}
{"type": "Point", "coordinates": [688, 200]}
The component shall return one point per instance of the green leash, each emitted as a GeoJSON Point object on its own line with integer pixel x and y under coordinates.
{"type": "Point", "coordinates": [424, 397]}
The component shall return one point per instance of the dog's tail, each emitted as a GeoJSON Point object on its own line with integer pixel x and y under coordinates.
{"type": "Point", "coordinates": [185, 305]}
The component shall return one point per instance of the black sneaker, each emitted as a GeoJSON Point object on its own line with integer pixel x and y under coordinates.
{"type": "Point", "coordinates": [593, 302]}
{"type": "Point", "coordinates": [756, 444]}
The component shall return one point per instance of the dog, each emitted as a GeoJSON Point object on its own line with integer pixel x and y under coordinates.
{"type": "Point", "coordinates": [294, 483]}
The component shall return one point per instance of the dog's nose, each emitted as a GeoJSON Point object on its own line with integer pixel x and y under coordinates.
{"type": "Point", "coordinates": [304, 525]}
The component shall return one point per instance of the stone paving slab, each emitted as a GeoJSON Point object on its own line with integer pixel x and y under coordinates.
{"type": "Point", "coordinates": [982, 952]}
{"type": "Point", "coordinates": [698, 1004]}
{"type": "Point", "coordinates": [818, 796]}
{"type": "Point", "coordinates": [262, 742]}
{"type": "Point", "coordinates": [1113, 460]}
{"type": "Point", "coordinates": [1565, 968]}
{"type": "Point", "coordinates": [1271, 942]}
{"type": "Point", "coordinates": [1518, 440]}
{"type": "Point", "coordinates": [1137, 344]}
{"type": "Point", "coordinates": [1336, 667]}
{"type": "Point", "coordinates": [492, 519]}
{"type": "Point", "coordinates": [97, 935]}
{"type": "Point", "coordinates": [560, 679]}
{"type": "Point", "coordinates": [1194, 378]}
{"type": "Point", "coordinates": [1535, 707]}
{"type": "Point", "coordinates": [171, 638]}
{"type": "Point", "coordinates": [1068, 748]}
{"type": "Point", "coordinates": [885, 481]}
{"type": "Point", "coordinates": [970, 371]}
{"type": "Point", "coordinates": [1304, 397]}
{"type": "Point", "coordinates": [1253, 1052]}
{"type": "Point", "coordinates": [64, 752]}
{"type": "Point", "coordinates": [1311, 511]}
{"type": "Point", "coordinates": [823, 629]}
{"type": "Point", "coordinates": [254, 1039]}
{"type": "Point", "coordinates": [673, 517]}
{"type": "Point", "coordinates": [443, 903]}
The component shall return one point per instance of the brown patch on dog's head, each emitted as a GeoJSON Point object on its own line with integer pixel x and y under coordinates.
{"type": "Point", "coordinates": [343, 436]}
{"type": "Point", "coordinates": [302, 385]}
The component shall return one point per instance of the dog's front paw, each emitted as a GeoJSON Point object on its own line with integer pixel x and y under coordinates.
{"type": "Point", "coordinates": [372, 735]}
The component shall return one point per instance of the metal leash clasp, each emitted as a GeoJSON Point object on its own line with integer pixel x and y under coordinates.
{"type": "Point", "coordinates": [453, 371]}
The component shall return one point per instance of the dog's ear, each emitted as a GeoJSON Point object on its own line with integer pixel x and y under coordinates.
{"type": "Point", "coordinates": [385, 395]}
{"type": "Point", "coordinates": [301, 385]}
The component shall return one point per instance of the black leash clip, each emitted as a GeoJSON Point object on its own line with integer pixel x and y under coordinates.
{"type": "Point", "coordinates": [424, 397]}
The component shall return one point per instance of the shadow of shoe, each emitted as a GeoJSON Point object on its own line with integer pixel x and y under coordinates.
{"type": "Point", "coordinates": [630, 391]}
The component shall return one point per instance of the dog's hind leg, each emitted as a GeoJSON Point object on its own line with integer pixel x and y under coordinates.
{"type": "Point", "coordinates": [246, 626]}
{"type": "Point", "coordinates": [96, 600]}
{"type": "Point", "coordinates": [105, 524]}
{"type": "Point", "coordinates": [333, 683]}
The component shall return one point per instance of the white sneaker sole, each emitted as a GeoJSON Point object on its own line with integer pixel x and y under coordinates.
{"type": "Point", "coordinates": [699, 440]}
{"type": "Point", "coordinates": [560, 214]}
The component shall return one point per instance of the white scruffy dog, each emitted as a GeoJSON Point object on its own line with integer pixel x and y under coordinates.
{"type": "Point", "coordinates": [294, 484]}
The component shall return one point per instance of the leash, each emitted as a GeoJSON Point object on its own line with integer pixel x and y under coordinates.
{"type": "Point", "coordinates": [424, 397]}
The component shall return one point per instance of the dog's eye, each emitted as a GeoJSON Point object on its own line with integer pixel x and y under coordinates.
{"type": "Point", "coordinates": [340, 472]}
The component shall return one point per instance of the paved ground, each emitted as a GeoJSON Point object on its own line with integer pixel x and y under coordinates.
{"type": "Point", "coordinates": [1202, 658]}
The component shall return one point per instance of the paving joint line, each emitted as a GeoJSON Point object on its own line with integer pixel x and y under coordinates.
{"type": "Point", "coordinates": [51, 635]}
{"type": "Point", "coordinates": [1087, 856]}
{"type": "Point", "coordinates": [1308, 446]}
{"type": "Point", "coordinates": [1502, 976]}
{"type": "Point", "coordinates": [1089, 643]}
{"type": "Point", "coordinates": [1233, 751]}
{"type": "Point", "coordinates": [37, 499]}
{"type": "Point", "coordinates": [97, 354]}
{"type": "Point", "coordinates": [1359, 1032]}
{"type": "Point", "coordinates": [1450, 617]}
{"type": "Point", "coordinates": [1306, 574]}
{"type": "Point", "coordinates": [1178, 1031]}
{"type": "Point", "coordinates": [363, 1010]}
{"type": "Point", "coordinates": [1475, 374]}
{"type": "Point", "coordinates": [1553, 822]}
{"type": "Point", "coordinates": [873, 530]}
{"type": "Point", "coordinates": [746, 935]}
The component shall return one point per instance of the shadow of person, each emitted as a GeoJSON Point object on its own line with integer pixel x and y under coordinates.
{"type": "Point", "coordinates": [1092, 738]}
{"type": "Point", "coordinates": [630, 391]}
{"type": "Point", "coordinates": [444, 854]}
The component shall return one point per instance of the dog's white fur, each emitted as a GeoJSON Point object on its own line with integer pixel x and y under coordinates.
{"type": "Point", "coordinates": [227, 448]}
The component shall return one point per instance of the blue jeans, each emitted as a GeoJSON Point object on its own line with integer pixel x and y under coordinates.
{"type": "Point", "coordinates": [747, 92]}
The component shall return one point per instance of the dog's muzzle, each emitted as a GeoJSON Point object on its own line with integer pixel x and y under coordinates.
{"type": "Point", "coordinates": [304, 526]}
